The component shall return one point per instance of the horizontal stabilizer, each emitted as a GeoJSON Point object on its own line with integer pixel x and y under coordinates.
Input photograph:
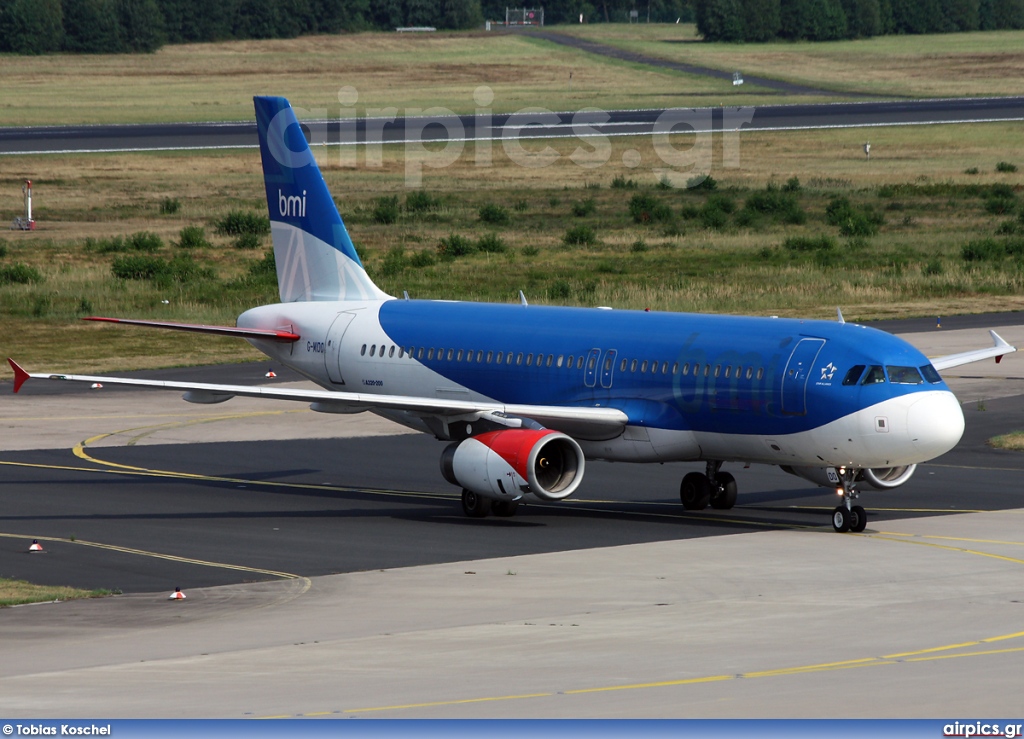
{"type": "Point", "coordinates": [199, 328]}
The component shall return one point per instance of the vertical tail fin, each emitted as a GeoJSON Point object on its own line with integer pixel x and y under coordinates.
{"type": "Point", "coordinates": [315, 256]}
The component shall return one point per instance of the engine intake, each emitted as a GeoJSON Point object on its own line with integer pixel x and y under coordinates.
{"type": "Point", "coordinates": [884, 478]}
{"type": "Point", "coordinates": [506, 464]}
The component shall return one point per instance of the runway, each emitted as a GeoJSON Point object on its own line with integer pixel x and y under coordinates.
{"type": "Point", "coordinates": [330, 572]}
{"type": "Point", "coordinates": [363, 130]}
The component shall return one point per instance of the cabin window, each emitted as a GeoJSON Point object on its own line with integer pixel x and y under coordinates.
{"type": "Point", "coordinates": [551, 359]}
{"type": "Point", "coordinates": [707, 370]}
{"type": "Point", "coordinates": [686, 368]}
{"type": "Point", "coordinates": [643, 366]}
{"type": "Point", "coordinates": [854, 374]}
{"type": "Point", "coordinates": [373, 349]}
{"type": "Point", "coordinates": [519, 358]}
{"type": "Point", "coordinates": [930, 374]}
{"type": "Point", "coordinates": [499, 357]}
{"type": "Point", "coordinates": [450, 353]}
{"type": "Point", "coordinates": [760, 373]}
{"type": "Point", "coordinates": [529, 360]}
{"type": "Point", "coordinates": [579, 362]}
{"type": "Point", "coordinates": [728, 371]}
{"type": "Point", "coordinates": [401, 352]}
{"type": "Point", "coordinates": [875, 375]}
{"type": "Point", "coordinates": [458, 357]}
{"type": "Point", "coordinates": [362, 352]}
{"type": "Point", "coordinates": [622, 365]}
{"type": "Point", "coordinates": [904, 375]}
{"type": "Point", "coordinates": [479, 356]}
{"type": "Point", "coordinates": [569, 362]}
{"type": "Point", "coordinates": [561, 358]}
{"type": "Point", "coordinates": [632, 366]}
{"type": "Point", "coordinates": [750, 372]}
{"type": "Point", "coordinates": [391, 351]}
{"type": "Point", "coordinates": [675, 368]}
{"type": "Point", "coordinates": [718, 370]}
{"type": "Point", "coordinates": [419, 353]}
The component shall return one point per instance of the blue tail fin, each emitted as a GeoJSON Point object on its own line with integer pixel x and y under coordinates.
{"type": "Point", "coordinates": [315, 256]}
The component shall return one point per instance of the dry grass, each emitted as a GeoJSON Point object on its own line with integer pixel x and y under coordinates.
{"type": "Point", "coordinates": [1014, 441]}
{"type": "Point", "coordinates": [215, 82]}
{"type": "Point", "coordinates": [946, 65]}
{"type": "Point", "coordinates": [18, 592]}
{"type": "Point", "coordinates": [692, 269]}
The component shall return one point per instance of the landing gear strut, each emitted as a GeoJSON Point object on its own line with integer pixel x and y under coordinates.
{"type": "Point", "coordinates": [717, 488]}
{"type": "Point", "coordinates": [846, 516]}
{"type": "Point", "coordinates": [477, 506]}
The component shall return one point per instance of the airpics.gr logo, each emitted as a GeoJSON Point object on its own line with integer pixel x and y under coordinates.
{"type": "Point", "coordinates": [291, 206]}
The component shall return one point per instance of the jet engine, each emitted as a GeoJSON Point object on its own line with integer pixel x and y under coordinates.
{"type": "Point", "coordinates": [881, 478]}
{"type": "Point", "coordinates": [506, 464]}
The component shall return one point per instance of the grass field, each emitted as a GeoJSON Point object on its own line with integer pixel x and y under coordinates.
{"type": "Point", "coordinates": [688, 259]}
{"type": "Point", "coordinates": [946, 65]}
{"type": "Point", "coordinates": [19, 592]}
{"type": "Point", "coordinates": [216, 82]}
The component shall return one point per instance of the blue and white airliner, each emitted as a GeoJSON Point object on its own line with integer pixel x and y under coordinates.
{"type": "Point", "coordinates": [526, 394]}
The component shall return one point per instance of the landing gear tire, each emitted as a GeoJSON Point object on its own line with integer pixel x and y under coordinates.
{"type": "Point", "coordinates": [724, 497]}
{"type": "Point", "coordinates": [861, 519]}
{"type": "Point", "coordinates": [695, 491]}
{"type": "Point", "coordinates": [841, 519]}
{"type": "Point", "coordinates": [504, 508]}
{"type": "Point", "coordinates": [475, 506]}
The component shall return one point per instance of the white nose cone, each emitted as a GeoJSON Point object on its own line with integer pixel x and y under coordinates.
{"type": "Point", "coordinates": [935, 423]}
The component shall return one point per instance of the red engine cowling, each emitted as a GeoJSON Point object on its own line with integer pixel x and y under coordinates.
{"type": "Point", "coordinates": [506, 464]}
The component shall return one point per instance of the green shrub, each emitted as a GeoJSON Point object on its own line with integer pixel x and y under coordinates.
{"type": "Point", "coordinates": [560, 290]}
{"type": "Point", "coordinates": [982, 250]}
{"type": "Point", "coordinates": [809, 243]}
{"type": "Point", "coordinates": [247, 241]}
{"type": "Point", "coordinates": [421, 259]}
{"type": "Point", "coordinates": [584, 208]}
{"type": "Point", "coordinates": [394, 261]}
{"type": "Point", "coordinates": [1008, 228]}
{"type": "Point", "coordinates": [706, 183]}
{"type": "Point", "coordinates": [521, 206]}
{"type": "Point", "coordinates": [580, 236]}
{"type": "Point", "coordinates": [491, 244]}
{"type": "Point", "coordinates": [3, 248]}
{"type": "Point", "coordinates": [779, 204]}
{"type": "Point", "coordinates": [530, 251]}
{"type": "Point", "coordinates": [419, 201]}
{"type": "Point", "coordinates": [19, 274]}
{"type": "Point", "coordinates": [193, 237]}
{"type": "Point", "coordinates": [792, 184]}
{"type": "Point", "coordinates": [933, 268]}
{"type": "Point", "coordinates": [183, 268]}
{"type": "Point", "coordinates": [724, 203]}
{"type": "Point", "coordinates": [385, 210]}
{"type": "Point", "coordinates": [169, 206]}
{"type": "Point", "coordinates": [665, 183]}
{"type": "Point", "coordinates": [713, 218]}
{"type": "Point", "coordinates": [690, 212]}
{"type": "Point", "coordinates": [638, 246]}
{"type": "Point", "coordinates": [747, 218]}
{"type": "Point", "coordinates": [971, 170]}
{"type": "Point", "coordinates": [243, 222]}
{"type": "Point", "coordinates": [264, 270]}
{"type": "Point", "coordinates": [1006, 167]}
{"type": "Point", "coordinates": [853, 221]}
{"type": "Point", "coordinates": [455, 246]}
{"type": "Point", "coordinates": [621, 183]}
{"type": "Point", "coordinates": [645, 208]}
{"type": "Point", "coordinates": [139, 267]}
{"type": "Point", "coordinates": [496, 215]}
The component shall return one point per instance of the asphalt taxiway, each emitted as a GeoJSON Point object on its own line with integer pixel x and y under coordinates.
{"type": "Point", "coordinates": [329, 571]}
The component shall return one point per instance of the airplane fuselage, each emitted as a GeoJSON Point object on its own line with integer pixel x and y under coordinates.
{"type": "Point", "coordinates": [766, 390]}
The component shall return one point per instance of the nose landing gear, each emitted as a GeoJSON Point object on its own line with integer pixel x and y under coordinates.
{"type": "Point", "coordinates": [846, 516]}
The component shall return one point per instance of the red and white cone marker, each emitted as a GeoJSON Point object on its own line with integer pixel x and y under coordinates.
{"type": "Point", "coordinates": [35, 547]}
{"type": "Point", "coordinates": [96, 386]}
{"type": "Point", "coordinates": [177, 595]}
{"type": "Point", "coordinates": [271, 373]}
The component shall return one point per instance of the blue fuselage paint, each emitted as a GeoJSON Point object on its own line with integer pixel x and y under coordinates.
{"type": "Point", "coordinates": [727, 374]}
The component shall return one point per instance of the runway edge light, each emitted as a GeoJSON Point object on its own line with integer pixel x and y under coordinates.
{"type": "Point", "coordinates": [35, 546]}
{"type": "Point", "coordinates": [177, 595]}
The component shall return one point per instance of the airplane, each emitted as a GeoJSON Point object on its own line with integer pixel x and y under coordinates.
{"type": "Point", "coordinates": [525, 395]}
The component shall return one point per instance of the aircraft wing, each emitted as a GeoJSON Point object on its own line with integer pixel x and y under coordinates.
{"type": "Point", "coordinates": [591, 420]}
{"type": "Point", "coordinates": [1001, 347]}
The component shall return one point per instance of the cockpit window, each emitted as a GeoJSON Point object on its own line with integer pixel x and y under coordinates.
{"type": "Point", "coordinates": [853, 375]}
{"type": "Point", "coordinates": [904, 375]}
{"type": "Point", "coordinates": [875, 374]}
{"type": "Point", "coordinates": [930, 374]}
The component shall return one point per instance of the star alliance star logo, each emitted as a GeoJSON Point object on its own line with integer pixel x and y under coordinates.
{"type": "Point", "coordinates": [827, 371]}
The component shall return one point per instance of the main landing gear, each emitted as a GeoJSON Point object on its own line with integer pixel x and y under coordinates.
{"type": "Point", "coordinates": [846, 516]}
{"type": "Point", "coordinates": [477, 506]}
{"type": "Point", "coordinates": [713, 487]}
